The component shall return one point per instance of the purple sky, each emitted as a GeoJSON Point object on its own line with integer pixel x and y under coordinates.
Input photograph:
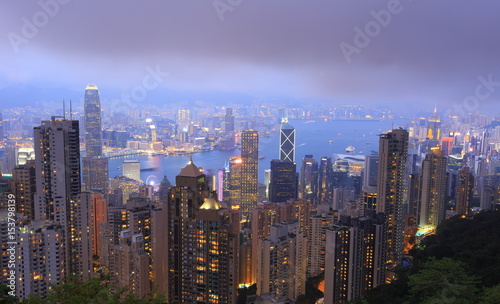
{"type": "Point", "coordinates": [430, 52]}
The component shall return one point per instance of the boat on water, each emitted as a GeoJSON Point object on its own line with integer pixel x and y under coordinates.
{"type": "Point", "coordinates": [262, 157]}
{"type": "Point", "coordinates": [350, 150]}
{"type": "Point", "coordinates": [330, 141]}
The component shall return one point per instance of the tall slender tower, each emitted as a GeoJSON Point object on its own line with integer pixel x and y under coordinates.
{"type": "Point", "coordinates": [432, 207]}
{"type": "Point", "coordinates": [94, 165]}
{"type": "Point", "coordinates": [93, 128]}
{"type": "Point", "coordinates": [465, 191]}
{"type": "Point", "coordinates": [287, 141]}
{"type": "Point", "coordinates": [249, 172]}
{"type": "Point", "coordinates": [284, 181]}
{"type": "Point", "coordinates": [393, 151]}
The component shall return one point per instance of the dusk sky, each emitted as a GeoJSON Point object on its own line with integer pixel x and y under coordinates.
{"type": "Point", "coordinates": [426, 52]}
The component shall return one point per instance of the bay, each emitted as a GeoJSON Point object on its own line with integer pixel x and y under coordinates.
{"type": "Point", "coordinates": [318, 138]}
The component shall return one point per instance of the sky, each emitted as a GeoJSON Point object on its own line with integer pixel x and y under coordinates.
{"type": "Point", "coordinates": [418, 53]}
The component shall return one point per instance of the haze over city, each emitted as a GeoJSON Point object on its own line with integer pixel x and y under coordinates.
{"type": "Point", "coordinates": [422, 53]}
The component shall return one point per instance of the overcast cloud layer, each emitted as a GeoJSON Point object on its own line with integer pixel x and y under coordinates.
{"type": "Point", "coordinates": [429, 52]}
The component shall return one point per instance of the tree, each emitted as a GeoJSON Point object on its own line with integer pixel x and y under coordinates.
{"type": "Point", "coordinates": [442, 281]}
{"type": "Point", "coordinates": [491, 295]}
{"type": "Point", "coordinates": [92, 291]}
{"type": "Point", "coordinates": [5, 298]}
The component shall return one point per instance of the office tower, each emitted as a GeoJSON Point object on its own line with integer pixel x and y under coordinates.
{"type": "Point", "coordinates": [369, 185]}
{"type": "Point", "coordinates": [24, 187]}
{"type": "Point", "coordinates": [163, 190]}
{"type": "Point", "coordinates": [319, 222]}
{"type": "Point", "coordinates": [93, 129]}
{"type": "Point", "coordinates": [393, 150]}
{"type": "Point", "coordinates": [355, 256]}
{"type": "Point", "coordinates": [342, 199]}
{"type": "Point", "coordinates": [94, 165]}
{"type": "Point", "coordinates": [95, 172]}
{"type": "Point", "coordinates": [284, 181]}
{"type": "Point", "coordinates": [433, 197]}
{"type": "Point", "coordinates": [414, 194]}
{"type": "Point", "coordinates": [41, 251]}
{"type": "Point", "coordinates": [287, 141]}
{"type": "Point", "coordinates": [234, 183]}
{"type": "Point", "coordinates": [183, 119]}
{"type": "Point", "coordinates": [309, 179]}
{"type": "Point", "coordinates": [203, 242]}
{"type": "Point", "coordinates": [58, 198]}
{"type": "Point", "coordinates": [434, 126]}
{"type": "Point", "coordinates": [229, 121]}
{"type": "Point", "coordinates": [281, 262]}
{"type": "Point", "coordinates": [131, 168]}
{"type": "Point", "coordinates": [127, 186]}
{"type": "Point", "coordinates": [249, 172]}
{"type": "Point", "coordinates": [447, 145]}
{"type": "Point", "coordinates": [465, 192]}
{"type": "Point", "coordinates": [325, 186]}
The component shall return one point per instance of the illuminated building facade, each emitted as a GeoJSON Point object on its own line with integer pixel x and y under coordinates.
{"type": "Point", "coordinates": [287, 141]}
{"type": "Point", "coordinates": [393, 151]}
{"type": "Point", "coordinates": [283, 182]}
{"type": "Point", "coordinates": [355, 255]}
{"type": "Point", "coordinates": [281, 262]}
{"type": "Point", "coordinates": [465, 191]}
{"type": "Point", "coordinates": [319, 222]}
{"type": "Point", "coordinates": [433, 196]}
{"type": "Point", "coordinates": [249, 172]}
{"type": "Point", "coordinates": [24, 186]}
{"type": "Point", "coordinates": [434, 126]}
{"type": "Point", "coordinates": [309, 179]}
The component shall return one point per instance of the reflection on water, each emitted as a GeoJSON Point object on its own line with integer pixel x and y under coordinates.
{"type": "Point", "coordinates": [317, 138]}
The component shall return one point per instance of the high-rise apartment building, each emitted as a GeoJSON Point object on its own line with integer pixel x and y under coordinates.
{"type": "Point", "coordinates": [249, 172]}
{"type": "Point", "coordinates": [393, 151]}
{"type": "Point", "coordinates": [287, 141]}
{"type": "Point", "coordinates": [355, 255]}
{"type": "Point", "coordinates": [433, 196]}
{"type": "Point", "coordinates": [465, 191]}
{"type": "Point", "coordinates": [323, 219]}
{"type": "Point", "coordinates": [24, 187]}
{"type": "Point", "coordinates": [58, 198]}
{"type": "Point", "coordinates": [281, 262]}
{"type": "Point", "coordinates": [203, 242]}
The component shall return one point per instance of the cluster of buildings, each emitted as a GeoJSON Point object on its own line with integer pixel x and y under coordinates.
{"type": "Point", "coordinates": [197, 241]}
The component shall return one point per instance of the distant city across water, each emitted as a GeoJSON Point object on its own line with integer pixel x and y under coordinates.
{"type": "Point", "coordinates": [313, 137]}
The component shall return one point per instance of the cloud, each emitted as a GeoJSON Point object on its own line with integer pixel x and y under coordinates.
{"type": "Point", "coordinates": [430, 52]}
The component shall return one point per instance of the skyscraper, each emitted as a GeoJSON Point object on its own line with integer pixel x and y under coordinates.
{"type": "Point", "coordinates": [229, 120]}
{"type": "Point", "coordinates": [58, 198]}
{"type": "Point", "coordinates": [465, 190]}
{"type": "Point", "coordinates": [93, 129]}
{"type": "Point", "coordinates": [287, 141]}
{"type": "Point", "coordinates": [94, 165]}
{"type": "Point", "coordinates": [131, 168]}
{"type": "Point", "coordinates": [393, 151]}
{"type": "Point", "coordinates": [355, 257]}
{"type": "Point", "coordinates": [249, 172]}
{"type": "Point", "coordinates": [203, 242]}
{"type": "Point", "coordinates": [283, 182]}
{"type": "Point", "coordinates": [309, 179]}
{"type": "Point", "coordinates": [432, 206]}
{"type": "Point", "coordinates": [434, 126]}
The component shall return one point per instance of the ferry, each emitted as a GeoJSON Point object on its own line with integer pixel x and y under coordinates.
{"type": "Point", "coordinates": [350, 150]}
